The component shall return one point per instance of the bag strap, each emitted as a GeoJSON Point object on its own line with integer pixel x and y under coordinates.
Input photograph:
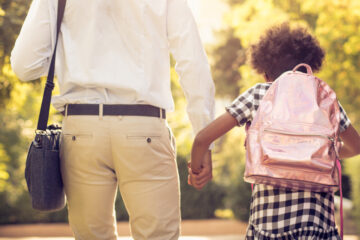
{"type": "Point", "coordinates": [49, 86]}
{"type": "Point", "coordinates": [338, 165]}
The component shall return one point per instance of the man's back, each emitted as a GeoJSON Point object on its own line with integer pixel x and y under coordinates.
{"type": "Point", "coordinates": [120, 46]}
{"type": "Point", "coordinates": [117, 52]}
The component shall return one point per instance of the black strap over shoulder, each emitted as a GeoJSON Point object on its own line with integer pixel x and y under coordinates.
{"type": "Point", "coordinates": [45, 105]}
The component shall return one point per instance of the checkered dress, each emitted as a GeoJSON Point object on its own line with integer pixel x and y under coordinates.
{"type": "Point", "coordinates": [277, 213]}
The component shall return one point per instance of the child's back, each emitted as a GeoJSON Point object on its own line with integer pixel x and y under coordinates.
{"type": "Point", "coordinates": [279, 213]}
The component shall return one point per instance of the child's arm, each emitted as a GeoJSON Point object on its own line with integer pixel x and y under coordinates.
{"type": "Point", "coordinates": [351, 140]}
{"type": "Point", "coordinates": [202, 141]}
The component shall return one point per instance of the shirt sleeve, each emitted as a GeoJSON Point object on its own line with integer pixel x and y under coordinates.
{"type": "Point", "coordinates": [31, 55]}
{"type": "Point", "coordinates": [243, 107]}
{"type": "Point", "coordinates": [344, 120]}
{"type": "Point", "coordinates": [191, 64]}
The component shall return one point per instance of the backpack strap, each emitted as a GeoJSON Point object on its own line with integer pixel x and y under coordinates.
{"type": "Point", "coordinates": [247, 126]}
{"type": "Point", "coordinates": [338, 165]}
{"type": "Point", "coordinates": [49, 86]}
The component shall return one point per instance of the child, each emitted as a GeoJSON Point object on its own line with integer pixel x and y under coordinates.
{"type": "Point", "coordinates": [277, 213]}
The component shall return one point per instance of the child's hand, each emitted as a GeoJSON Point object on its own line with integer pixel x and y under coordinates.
{"type": "Point", "coordinates": [192, 178]}
{"type": "Point", "coordinates": [200, 178]}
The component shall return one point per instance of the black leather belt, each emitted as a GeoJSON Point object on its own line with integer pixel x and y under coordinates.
{"type": "Point", "coordinates": [116, 110]}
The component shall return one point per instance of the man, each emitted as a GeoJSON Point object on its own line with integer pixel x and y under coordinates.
{"type": "Point", "coordinates": [113, 72]}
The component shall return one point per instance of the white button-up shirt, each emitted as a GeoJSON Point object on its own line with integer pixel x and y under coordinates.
{"type": "Point", "coordinates": [117, 52]}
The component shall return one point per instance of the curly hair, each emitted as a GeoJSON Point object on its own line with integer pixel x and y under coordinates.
{"type": "Point", "coordinates": [281, 48]}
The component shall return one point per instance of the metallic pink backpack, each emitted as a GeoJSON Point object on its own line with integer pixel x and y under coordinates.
{"type": "Point", "coordinates": [293, 140]}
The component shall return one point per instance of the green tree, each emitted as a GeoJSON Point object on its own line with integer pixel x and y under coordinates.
{"type": "Point", "coordinates": [12, 15]}
{"type": "Point", "coordinates": [227, 58]}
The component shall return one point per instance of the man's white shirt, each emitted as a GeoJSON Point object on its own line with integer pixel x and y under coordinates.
{"type": "Point", "coordinates": [117, 52]}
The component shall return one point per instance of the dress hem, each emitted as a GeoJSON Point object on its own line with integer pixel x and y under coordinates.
{"type": "Point", "coordinates": [305, 233]}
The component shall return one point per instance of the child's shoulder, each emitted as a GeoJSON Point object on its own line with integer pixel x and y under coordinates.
{"type": "Point", "coordinates": [259, 88]}
{"type": "Point", "coordinates": [262, 85]}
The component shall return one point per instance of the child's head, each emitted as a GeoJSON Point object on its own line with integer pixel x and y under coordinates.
{"type": "Point", "coordinates": [281, 48]}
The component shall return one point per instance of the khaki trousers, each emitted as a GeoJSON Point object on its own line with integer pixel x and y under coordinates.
{"type": "Point", "coordinates": [99, 153]}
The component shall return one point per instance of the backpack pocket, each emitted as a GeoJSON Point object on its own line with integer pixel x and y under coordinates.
{"type": "Point", "coordinates": [301, 151]}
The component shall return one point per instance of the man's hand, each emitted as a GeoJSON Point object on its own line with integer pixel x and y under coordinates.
{"type": "Point", "coordinates": [199, 179]}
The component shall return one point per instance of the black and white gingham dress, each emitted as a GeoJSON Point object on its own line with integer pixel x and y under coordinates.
{"type": "Point", "coordinates": [277, 213]}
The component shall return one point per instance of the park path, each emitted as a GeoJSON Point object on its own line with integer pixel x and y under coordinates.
{"type": "Point", "coordinates": [213, 229]}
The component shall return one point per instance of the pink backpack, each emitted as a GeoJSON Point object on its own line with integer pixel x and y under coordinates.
{"type": "Point", "coordinates": [293, 140]}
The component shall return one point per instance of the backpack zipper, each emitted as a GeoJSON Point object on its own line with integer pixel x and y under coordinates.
{"type": "Point", "coordinates": [299, 134]}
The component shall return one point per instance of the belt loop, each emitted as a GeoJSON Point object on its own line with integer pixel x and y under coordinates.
{"type": "Point", "coordinates": [66, 110]}
{"type": "Point", "coordinates": [160, 115]}
{"type": "Point", "coordinates": [101, 108]}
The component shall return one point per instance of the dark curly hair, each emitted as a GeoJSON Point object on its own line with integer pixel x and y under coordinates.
{"type": "Point", "coordinates": [281, 48]}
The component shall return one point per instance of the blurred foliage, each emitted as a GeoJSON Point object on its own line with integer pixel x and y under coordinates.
{"type": "Point", "coordinates": [227, 58]}
{"type": "Point", "coordinates": [229, 166]}
{"type": "Point", "coordinates": [353, 169]}
{"type": "Point", "coordinates": [198, 204]}
{"type": "Point", "coordinates": [335, 23]}
{"type": "Point", "coordinates": [12, 15]}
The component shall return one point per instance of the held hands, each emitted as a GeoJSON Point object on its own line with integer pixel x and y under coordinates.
{"type": "Point", "coordinates": [198, 178]}
{"type": "Point", "coordinates": [200, 170]}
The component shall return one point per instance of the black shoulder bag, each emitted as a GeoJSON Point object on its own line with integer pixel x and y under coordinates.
{"type": "Point", "coordinates": [42, 171]}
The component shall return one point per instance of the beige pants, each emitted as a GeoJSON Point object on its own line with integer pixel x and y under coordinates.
{"type": "Point", "coordinates": [136, 153]}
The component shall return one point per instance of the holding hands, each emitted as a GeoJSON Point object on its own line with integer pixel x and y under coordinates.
{"type": "Point", "coordinates": [200, 173]}
{"type": "Point", "coordinates": [200, 169]}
